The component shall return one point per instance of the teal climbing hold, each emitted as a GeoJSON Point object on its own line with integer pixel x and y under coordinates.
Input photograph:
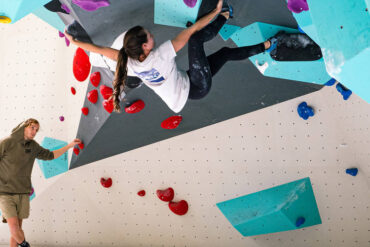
{"type": "Point", "coordinates": [17, 9]}
{"type": "Point", "coordinates": [305, 71]}
{"type": "Point", "coordinates": [175, 12]}
{"type": "Point", "coordinates": [52, 18]}
{"type": "Point", "coordinates": [51, 168]}
{"type": "Point", "coordinates": [228, 30]}
{"type": "Point", "coordinates": [273, 210]}
{"type": "Point", "coordinates": [342, 30]}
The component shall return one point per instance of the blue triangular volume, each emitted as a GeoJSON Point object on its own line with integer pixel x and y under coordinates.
{"type": "Point", "coordinates": [51, 168]}
{"type": "Point", "coordinates": [273, 210]}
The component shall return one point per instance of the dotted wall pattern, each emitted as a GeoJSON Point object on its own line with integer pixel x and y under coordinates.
{"type": "Point", "coordinates": [233, 158]}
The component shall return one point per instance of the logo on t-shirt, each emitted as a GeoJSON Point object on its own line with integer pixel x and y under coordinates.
{"type": "Point", "coordinates": [152, 76]}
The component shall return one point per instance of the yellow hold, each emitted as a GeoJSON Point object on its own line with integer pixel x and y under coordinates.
{"type": "Point", "coordinates": [5, 19]}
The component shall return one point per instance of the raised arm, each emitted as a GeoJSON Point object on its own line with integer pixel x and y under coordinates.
{"type": "Point", "coordinates": [105, 51]}
{"type": "Point", "coordinates": [182, 38]}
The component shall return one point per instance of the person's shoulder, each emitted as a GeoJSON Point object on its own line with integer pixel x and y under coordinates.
{"type": "Point", "coordinates": [6, 140]}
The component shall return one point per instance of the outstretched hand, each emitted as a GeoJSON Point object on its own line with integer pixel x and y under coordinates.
{"type": "Point", "coordinates": [68, 36]}
{"type": "Point", "coordinates": [74, 142]}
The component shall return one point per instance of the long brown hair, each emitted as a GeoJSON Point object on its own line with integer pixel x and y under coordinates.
{"type": "Point", "coordinates": [133, 48]}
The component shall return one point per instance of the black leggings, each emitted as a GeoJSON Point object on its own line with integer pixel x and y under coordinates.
{"type": "Point", "coordinates": [203, 68]}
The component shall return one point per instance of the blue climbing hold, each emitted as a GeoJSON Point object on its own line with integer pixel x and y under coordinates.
{"type": "Point", "coordinates": [345, 92]}
{"type": "Point", "coordinates": [300, 30]}
{"type": "Point", "coordinates": [300, 221]}
{"type": "Point", "coordinates": [304, 111]}
{"type": "Point", "coordinates": [331, 82]}
{"type": "Point", "coordinates": [352, 171]}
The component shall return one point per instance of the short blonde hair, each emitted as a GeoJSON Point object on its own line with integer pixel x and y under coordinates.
{"type": "Point", "coordinates": [30, 121]}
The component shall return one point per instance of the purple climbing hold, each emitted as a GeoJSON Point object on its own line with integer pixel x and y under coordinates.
{"type": "Point", "coordinates": [61, 118]}
{"type": "Point", "coordinates": [297, 6]}
{"type": "Point", "coordinates": [65, 7]}
{"type": "Point", "coordinates": [91, 5]}
{"type": "Point", "coordinates": [67, 42]}
{"type": "Point", "coordinates": [190, 3]}
{"type": "Point", "coordinates": [61, 34]}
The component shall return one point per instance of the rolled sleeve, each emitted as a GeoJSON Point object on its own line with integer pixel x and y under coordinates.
{"type": "Point", "coordinates": [43, 153]}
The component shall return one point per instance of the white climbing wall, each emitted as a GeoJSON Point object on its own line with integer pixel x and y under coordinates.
{"type": "Point", "coordinates": [243, 155]}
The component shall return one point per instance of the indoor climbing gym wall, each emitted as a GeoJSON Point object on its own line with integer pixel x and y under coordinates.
{"type": "Point", "coordinates": [277, 154]}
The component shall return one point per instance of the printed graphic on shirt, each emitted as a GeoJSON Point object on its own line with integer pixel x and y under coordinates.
{"type": "Point", "coordinates": [152, 76]}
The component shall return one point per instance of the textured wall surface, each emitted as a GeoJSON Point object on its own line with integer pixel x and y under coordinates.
{"type": "Point", "coordinates": [239, 156]}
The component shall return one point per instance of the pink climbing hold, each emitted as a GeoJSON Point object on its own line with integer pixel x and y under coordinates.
{"type": "Point", "coordinates": [32, 191]}
{"type": "Point", "coordinates": [179, 208]}
{"type": "Point", "coordinates": [76, 151]}
{"type": "Point", "coordinates": [141, 193]}
{"type": "Point", "coordinates": [85, 111]}
{"type": "Point", "coordinates": [190, 3]}
{"type": "Point", "coordinates": [92, 96]}
{"type": "Point", "coordinates": [106, 92]}
{"type": "Point", "coordinates": [95, 78]}
{"type": "Point", "coordinates": [73, 90]}
{"type": "Point", "coordinates": [61, 35]}
{"type": "Point", "coordinates": [135, 107]}
{"type": "Point", "coordinates": [67, 42]}
{"type": "Point", "coordinates": [166, 195]}
{"type": "Point", "coordinates": [106, 182]}
{"type": "Point", "coordinates": [65, 7]}
{"type": "Point", "coordinates": [81, 65]}
{"type": "Point", "coordinates": [91, 5]}
{"type": "Point", "coordinates": [61, 118]}
{"type": "Point", "coordinates": [171, 122]}
{"type": "Point", "coordinates": [108, 105]}
{"type": "Point", "coordinates": [297, 6]}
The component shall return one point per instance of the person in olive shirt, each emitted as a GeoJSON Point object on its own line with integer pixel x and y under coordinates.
{"type": "Point", "coordinates": [17, 156]}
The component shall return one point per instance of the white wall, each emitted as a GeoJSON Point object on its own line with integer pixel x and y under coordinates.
{"type": "Point", "coordinates": [223, 161]}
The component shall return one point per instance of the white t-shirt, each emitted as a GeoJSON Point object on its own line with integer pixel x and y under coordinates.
{"type": "Point", "coordinates": [159, 72]}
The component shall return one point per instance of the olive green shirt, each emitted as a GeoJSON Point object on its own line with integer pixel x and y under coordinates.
{"type": "Point", "coordinates": [17, 157]}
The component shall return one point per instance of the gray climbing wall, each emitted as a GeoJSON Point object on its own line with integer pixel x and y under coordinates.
{"type": "Point", "coordinates": [237, 89]}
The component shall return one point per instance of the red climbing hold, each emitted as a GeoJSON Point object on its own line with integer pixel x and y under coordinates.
{"type": "Point", "coordinates": [73, 90]}
{"type": "Point", "coordinates": [141, 193]}
{"type": "Point", "coordinates": [81, 145]}
{"type": "Point", "coordinates": [93, 96]}
{"type": "Point", "coordinates": [95, 78]}
{"type": "Point", "coordinates": [85, 111]}
{"type": "Point", "coordinates": [106, 182]}
{"type": "Point", "coordinates": [135, 107]}
{"type": "Point", "coordinates": [81, 65]}
{"type": "Point", "coordinates": [179, 208]}
{"type": "Point", "coordinates": [76, 151]}
{"type": "Point", "coordinates": [108, 105]}
{"type": "Point", "coordinates": [171, 122]}
{"type": "Point", "coordinates": [106, 92]}
{"type": "Point", "coordinates": [166, 195]}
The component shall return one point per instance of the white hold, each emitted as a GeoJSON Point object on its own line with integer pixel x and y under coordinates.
{"type": "Point", "coordinates": [262, 68]}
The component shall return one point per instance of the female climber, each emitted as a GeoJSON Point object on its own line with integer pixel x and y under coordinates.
{"type": "Point", "coordinates": [156, 67]}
